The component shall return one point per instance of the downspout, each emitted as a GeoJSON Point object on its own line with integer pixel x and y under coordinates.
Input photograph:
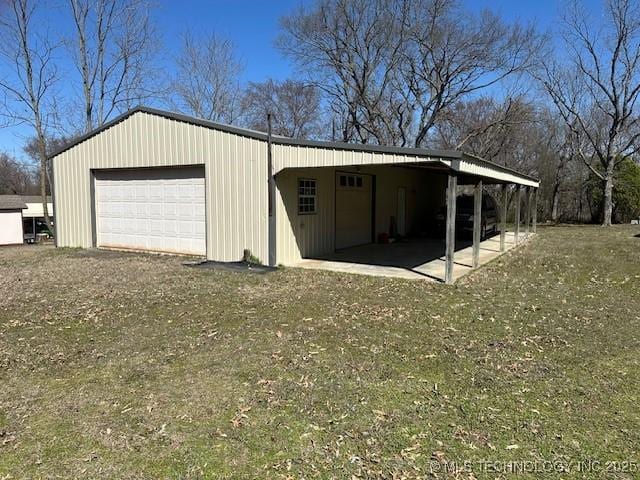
{"type": "Point", "coordinates": [272, 198]}
{"type": "Point", "coordinates": [52, 181]}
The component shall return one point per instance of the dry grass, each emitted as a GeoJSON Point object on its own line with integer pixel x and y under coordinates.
{"type": "Point", "coordinates": [132, 366]}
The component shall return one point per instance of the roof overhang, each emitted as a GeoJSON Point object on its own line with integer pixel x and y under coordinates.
{"type": "Point", "coordinates": [478, 167]}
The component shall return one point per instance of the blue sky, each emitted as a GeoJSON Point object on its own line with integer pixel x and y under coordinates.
{"type": "Point", "coordinates": [253, 26]}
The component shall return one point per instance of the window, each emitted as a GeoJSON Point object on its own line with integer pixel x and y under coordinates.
{"type": "Point", "coordinates": [306, 196]}
{"type": "Point", "coordinates": [351, 181]}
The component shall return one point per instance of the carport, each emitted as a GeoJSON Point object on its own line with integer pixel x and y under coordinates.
{"type": "Point", "coordinates": [340, 234]}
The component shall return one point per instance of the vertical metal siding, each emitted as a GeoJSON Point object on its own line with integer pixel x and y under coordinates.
{"type": "Point", "coordinates": [301, 236]}
{"type": "Point", "coordinates": [299, 156]}
{"type": "Point", "coordinates": [236, 183]}
{"type": "Point", "coordinates": [235, 168]}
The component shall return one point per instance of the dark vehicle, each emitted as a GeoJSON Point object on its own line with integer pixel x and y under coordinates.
{"type": "Point", "coordinates": [33, 228]}
{"type": "Point", "coordinates": [464, 216]}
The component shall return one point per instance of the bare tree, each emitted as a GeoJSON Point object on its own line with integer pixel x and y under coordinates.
{"type": "Point", "coordinates": [486, 127]}
{"type": "Point", "coordinates": [451, 54]}
{"type": "Point", "coordinates": [597, 89]}
{"type": "Point", "coordinates": [206, 84]}
{"type": "Point", "coordinates": [113, 44]}
{"type": "Point", "coordinates": [28, 77]}
{"type": "Point", "coordinates": [393, 66]}
{"type": "Point", "coordinates": [295, 108]}
{"type": "Point", "coordinates": [350, 50]}
{"type": "Point", "coordinates": [556, 154]}
{"type": "Point", "coordinates": [16, 178]}
{"type": "Point", "coordinates": [53, 143]}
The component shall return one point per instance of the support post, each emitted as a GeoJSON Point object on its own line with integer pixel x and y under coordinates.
{"type": "Point", "coordinates": [477, 223]}
{"type": "Point", "coordinates": [503, 217]}
{"type": "Point", "coordinates": [518, 195]}
{"type": "Point", "coordinates": [527, 210]}
{"type": "Point", "coordinates": [271, 191]}
{"type": "Point", "coordinates": [534, 221]}
{"type": "Point", "coordinates": [450, 245]}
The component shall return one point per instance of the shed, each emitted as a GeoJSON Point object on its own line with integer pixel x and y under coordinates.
{"type": "Point", "coordinates": [11, 219]}
{"type": "Point", "coordinates": [159, 181]}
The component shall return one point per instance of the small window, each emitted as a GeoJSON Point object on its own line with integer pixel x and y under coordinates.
{"type": "Point", "coordinates": [306, 196]}
{"type": "Point", "coordinates": [350, 181]}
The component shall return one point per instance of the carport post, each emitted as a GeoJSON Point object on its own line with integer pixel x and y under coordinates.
{"type": "Point", "coordinates": [527, 210]}
{"type": "Point", "coordinates": [450, 245]}
{"type": "Point", "coordinates": [271, 201]}
{"type": "Point", "coordinates": [534, 221]}
{"type": "Point", "coordinates": [518, 194]}
{"type": "Point", "coordinates": [477, 222]}
{"type": "Point", "coordinates": [503, 217]}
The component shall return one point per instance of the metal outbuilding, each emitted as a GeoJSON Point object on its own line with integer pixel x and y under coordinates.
{"type": "Point", "coordinates": [160, 181]}
{"type": "Point", "coordinates": [11, 207]}
{"type": "Point", "coordinates": [22, 217]}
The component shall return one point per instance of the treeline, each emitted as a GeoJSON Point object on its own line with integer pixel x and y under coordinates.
{"type": "Point", "coordinates": [419, 73]}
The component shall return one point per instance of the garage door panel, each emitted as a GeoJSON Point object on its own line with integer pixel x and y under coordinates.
{"type": "Point", "coordinates": [141, 210]}
{"type": "Point", "coordinates": [152, 209]}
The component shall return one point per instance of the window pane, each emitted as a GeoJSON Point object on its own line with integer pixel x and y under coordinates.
{"type": "Point", "coordinates": [343, 181]}
{"type": "Point", "coordinates": [351, 181]}
{"type": "Point", "coordinates": [359, 181]}
{"type": "Point", "coordinates": [306, 196]}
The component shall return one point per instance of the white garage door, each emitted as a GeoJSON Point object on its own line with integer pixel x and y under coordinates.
{"type": "Point", "coordinates": [161, 210]}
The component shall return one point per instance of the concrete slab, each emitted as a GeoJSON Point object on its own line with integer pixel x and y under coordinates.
{"type": "Point", "coordinates": [410, 259]}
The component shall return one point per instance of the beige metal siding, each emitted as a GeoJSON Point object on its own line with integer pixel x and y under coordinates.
{"type": "Point", "coordinates": [295, 156]}
{"type": "Point", "coordinates": [480, 169]}
{"type": "Point", "coordinates": [235, 170]}
{"type": "Point", "coordinates": [353, 207]}
{"type": "Point", "coordinates": [236, 183]}
{"type": "Point", "coordinates": [301, 236]}
{"type": "Point", "coordinates": [297, 234]}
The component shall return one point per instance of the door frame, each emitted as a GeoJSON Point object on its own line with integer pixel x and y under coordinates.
{"type": "Point", "coordinates": [336, 172]}
{"type": "Point", "coordinates": [93, 206]}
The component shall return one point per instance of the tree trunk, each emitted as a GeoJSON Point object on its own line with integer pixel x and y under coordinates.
{"type": "Point", "coordinates": [608, 194]}
{"type": "Point", "coordinates": [42, 150]}
{"type": "Point", "coordinates": [555, 200]}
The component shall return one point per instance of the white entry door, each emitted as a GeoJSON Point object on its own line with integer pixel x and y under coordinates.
{"type": "Point", "coordinates": [353, 209]}
{"type": "Point", "coordinates": [160, 210]}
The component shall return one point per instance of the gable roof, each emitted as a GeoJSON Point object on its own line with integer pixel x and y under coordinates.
{"type": "Point", "coordinates": [281, 140]}
{"type": "Point", "coordinates": [11, 202]}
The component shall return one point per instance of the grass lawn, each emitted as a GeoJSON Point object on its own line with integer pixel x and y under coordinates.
{"type": "Point", "coordinates": [121, 366]}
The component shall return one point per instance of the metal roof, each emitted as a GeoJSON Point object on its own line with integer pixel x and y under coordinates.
{"type": "Point", "coordinates": [11, 202]}
{"type": "Point", "coordinates": [34, 198]}
{"type": "Point", "coordinates": [277, 139]}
